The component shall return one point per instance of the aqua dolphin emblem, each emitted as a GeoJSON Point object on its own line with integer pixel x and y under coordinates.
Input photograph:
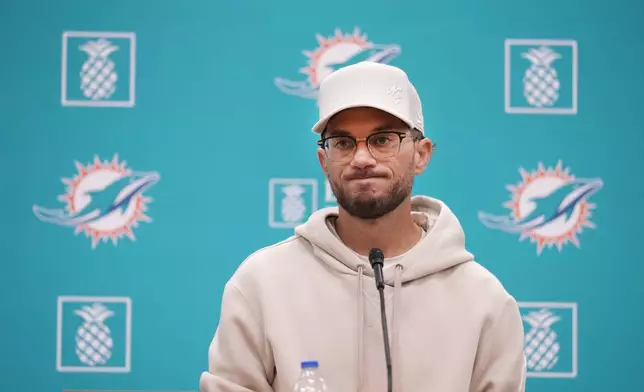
{"type": "Point", "coordinates": [116, 196]}
{"type": "Point", "coordinates": [336, 52]}
{"type": "Point", "coordinates": [560, 202]}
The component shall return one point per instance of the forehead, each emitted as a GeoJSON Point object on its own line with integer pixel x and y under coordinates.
{"type": "Point", "coordinates": [363, 120]}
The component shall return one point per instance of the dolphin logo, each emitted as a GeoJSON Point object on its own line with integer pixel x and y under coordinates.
{"type": "Point", "coordinates": [561, 202]}
{"type": "Point", "coordinates": [116, 196]}
{"type": "Point", "coordinates": [349, 54]}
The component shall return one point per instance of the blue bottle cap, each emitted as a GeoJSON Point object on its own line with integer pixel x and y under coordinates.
{"type": "Point", "coordinates": [309, 364]}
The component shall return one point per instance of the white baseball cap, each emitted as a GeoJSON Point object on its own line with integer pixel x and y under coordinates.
{"type": "Point", "coordinates": [369, 84]}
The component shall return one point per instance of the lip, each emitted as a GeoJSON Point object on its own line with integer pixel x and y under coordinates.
{"type": "Point", "coordinates": [365, 179]}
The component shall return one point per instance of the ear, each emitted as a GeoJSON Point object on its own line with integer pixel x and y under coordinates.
{"type": "Point", "coordinates": [424, 150]}
{"type": "Point", "coordinates": [322, 160]}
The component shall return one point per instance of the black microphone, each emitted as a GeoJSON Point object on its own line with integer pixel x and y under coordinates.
{"type": "Point", "coordinates": [377, 260]}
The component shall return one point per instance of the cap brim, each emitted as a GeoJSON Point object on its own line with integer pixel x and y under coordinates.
{"type": "Point", "coordinates": [321, 124]}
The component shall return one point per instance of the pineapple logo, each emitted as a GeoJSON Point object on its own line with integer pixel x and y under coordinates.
{"type": "Point", "coordinates": [98, 69]}
{"type": "Point", "coordinates": [94, 334]}
{"type": "Point", "coordinates": [98, 74]}
{"type": "Point", "coordinates": [93, 338]}
{"type": "Point", "coordinates": [290, 199]}
{"type": "Point", "coordinates": [105, 200]}
{"type": "Point", "coordinates": [541, 76]}
{"type": "Point", "coordinates": [293, 206]}
{"type": "Point", "coordinates": [549, 206]}
{"type": "Point", "coordinates": [541, 346]}
{"type": "Point", "coordinates": [332, 53]}
{"type": "Point", "coordinates": [550, 340]}
{"type": "Point", "coordinates": [540, 83]}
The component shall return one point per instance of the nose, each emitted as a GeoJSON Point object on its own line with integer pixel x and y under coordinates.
{"type": "Point", "coordinates": [362, 157]}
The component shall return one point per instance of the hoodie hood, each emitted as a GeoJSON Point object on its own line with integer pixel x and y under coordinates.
{"type": "Point", "coordinates": [443, 246]}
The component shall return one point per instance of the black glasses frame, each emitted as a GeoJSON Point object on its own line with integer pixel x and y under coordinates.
{"type": "Point", "coordinates": [322, 142]}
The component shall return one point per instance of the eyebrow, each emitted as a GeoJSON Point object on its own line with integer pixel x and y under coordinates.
{"type": "Point", "coordinates": [342, 132]}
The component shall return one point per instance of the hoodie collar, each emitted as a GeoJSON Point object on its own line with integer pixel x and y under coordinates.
{"type": "Point", "coordinates": [443, 246]}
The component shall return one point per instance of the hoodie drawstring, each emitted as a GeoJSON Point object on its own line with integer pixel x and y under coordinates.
{"type": "Point", "coordinates": [360, 326]}
{"type": "Point", "coordinates": [397, 386]}
{"type": "Point", "coordinates": [396, 329]}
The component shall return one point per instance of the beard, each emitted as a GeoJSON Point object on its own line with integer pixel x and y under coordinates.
{"type": "Point", "coordinates": [373, 207]}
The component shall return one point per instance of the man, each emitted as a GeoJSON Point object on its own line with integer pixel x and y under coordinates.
{"type": "Point", "coordinates": [453, 327]}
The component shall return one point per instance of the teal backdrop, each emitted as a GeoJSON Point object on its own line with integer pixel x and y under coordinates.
{"type": "Point", "coordinates": [147, 148]}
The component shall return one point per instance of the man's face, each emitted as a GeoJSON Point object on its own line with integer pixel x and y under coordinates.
{"type": "Point", "coordinates": [364, 186]}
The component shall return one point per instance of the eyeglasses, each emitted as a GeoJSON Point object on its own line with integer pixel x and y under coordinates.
{"type": "Point", "coordinates": [381, 145]}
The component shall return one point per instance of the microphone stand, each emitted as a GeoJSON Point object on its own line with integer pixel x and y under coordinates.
{"type": "Point", "coordinates": [376, 258]}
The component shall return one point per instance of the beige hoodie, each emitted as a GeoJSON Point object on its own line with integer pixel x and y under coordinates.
{"type": "Point", "coordinates": [453, 326]}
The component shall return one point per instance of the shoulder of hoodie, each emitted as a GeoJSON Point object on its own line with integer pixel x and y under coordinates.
{"type": "Point", "coordinates": [270, 259]}
{"type": "Point", "coordinates": [483, 284]}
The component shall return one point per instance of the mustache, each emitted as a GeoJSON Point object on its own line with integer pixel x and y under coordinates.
{"type": "Point", "coordinates": [363, 174]}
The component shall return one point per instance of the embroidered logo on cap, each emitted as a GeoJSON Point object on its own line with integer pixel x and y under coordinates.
{"type": "Point", "coordinates": [396, 93]}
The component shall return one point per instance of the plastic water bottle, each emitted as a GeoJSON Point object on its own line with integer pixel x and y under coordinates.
{"type": "Point", "coordinates": [310, 380]}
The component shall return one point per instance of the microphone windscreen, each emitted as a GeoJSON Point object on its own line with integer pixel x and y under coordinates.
{"type": "Point", "coordinates": [376, 256]}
